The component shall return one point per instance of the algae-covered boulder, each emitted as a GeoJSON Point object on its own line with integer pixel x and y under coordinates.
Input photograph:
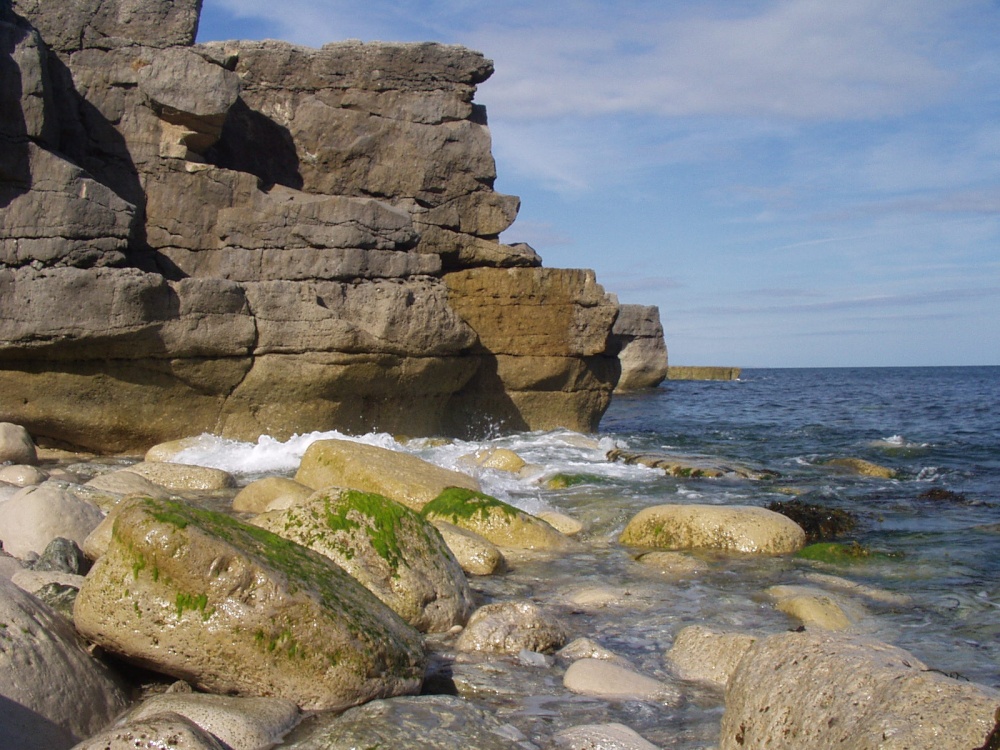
{"type": "Point", "coordinates": [825, 690]}
{"type": "Point", "coordinates": [730, 528]}
{"type": "Point", "coordinates": [233, 608]}
{"type": "Point", "coordinates": [399, 476]}
{"type": "Point", "coordinates": [500, 523]}
{"type": "Point", "coordinates": [395, 553]}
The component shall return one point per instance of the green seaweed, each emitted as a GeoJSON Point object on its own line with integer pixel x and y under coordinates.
{"type": "Point", "coordinates": [458, 504]}
{"type": "Point", "coordinates": [565, 481]}
{"type": "Point", "coordinates": [197, 602]}
{"type": "Point", "coordinates": [843, 554]}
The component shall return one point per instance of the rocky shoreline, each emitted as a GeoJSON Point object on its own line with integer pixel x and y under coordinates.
{"type": "Point", "coordinates": [460, 621]}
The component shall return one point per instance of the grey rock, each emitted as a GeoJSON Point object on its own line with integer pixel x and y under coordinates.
{"type": "Point", "coordinates": [62, 556]}
{"type": "Point", "coordinates": [165, 730]}
{"type": "Point", "coordinates": [16, 445]}
{"type": "Point", "coordinates": [510, 627]}
{"type": "Point", "coordinates": [643, 352]}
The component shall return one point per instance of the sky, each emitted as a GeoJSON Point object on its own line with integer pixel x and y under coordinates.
{"type": "Point", "coordinates": [794, 183]}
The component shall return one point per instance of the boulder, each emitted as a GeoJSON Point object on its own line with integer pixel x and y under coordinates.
{"type": "Point", "coordinates": [502, 524]}
{"type": "Point", "coordinates": [184, 476]}
{"type": "Point", "coordinates": [396, 475]}
{"type": "Point", "coordinates": [606, 679]}
{"type": "Point", "coordinates": [22, 475]}
{"type": "Point", "coordinates": [232, 608]}
{"type": "Point", "coordinates": [388, 548]}
{"type": "Point", "coordinates": [728, 528]}
{"type": "Point", "coordinates": [111, 487]}
{"type": "Point", "coordinates": [643, 353]}
{"type": "Point", "coordinates": [511, 626]}
{"type": "Point", "coordinates": [16, 445]}
{"type": "Point", "coordinates": [52, 692]}
{"type": "Point", "coordinates": [477, 555]}
{"type": "Point", "coordinates": [501, 459]}
{"type": "Point", "coordinates": [861, 467]}
{"type": "Point", "coordinates": [823, 690]}
{"type": "Point", "coordinates": [36, 515]}
{"type": "Point", "coordinates": [701, 654]}
{"type": "Point", "coordinates": [162, 730]}
{"type": "Point", "coordinates": [270, 493]}
{"type": "Point", "coordinates": [814, 607]}
{"type": "Point", "coordinates": [561, 522]}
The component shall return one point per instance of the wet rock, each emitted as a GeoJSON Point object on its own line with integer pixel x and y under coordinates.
{"type": "Point", "coordinates": [239, 723]}
{"type": "Point", "coordinates": [52, 692]}
{"type": "Point", "coordinates": [388, 548]}
{"type": "Point", "coordinates": [673, 564]}
{"type": "Point", "coordinates": [510, 626]}
{"type": "Point", "coordinates": [62, 555]}
{"type": "Point", "coordinates": [167, 451]}
{"type": "Point", "coordinates": [477, 555]}
{"type": "Point", "coordinates": [701, 654]}
{"type": "Point", "coordinates": [836, 553]}
{"type": "Point", "coordinates": [940, 495]}
{"type": "Point", "coordinates": [500, 523]}
{"type": "Point", "coordinates": [166, 730]}
{"type": "Point", "coordinates": [111, 487]}
{"type": "Point", "coordinates": [813, 689]}
{"type": "Point", "coordinates": [35, 516]}
{"type": "Point", "coordinates": [270, 493]}
{"type": "Point", "coordinates": [184, 476]}
{"type": "Point", "coordinates": [16, 445]}
{"type": "Point", "coordinates": [396, 475]}
{"type": "Point", "coordinates": [232, 608]}
{"type": "Point", "coordinates": [814, 607]}
{"type": "Point", "coordinates": [435, 722]}
{"type": "Point", "coordinates": [22, 475]}
{"type": "Point", "coordinates": [98, 540]}
{"type": "Point", "coordinates": [861, 467]}
{"type": "Point", "coordinates": [605, 679]}
{"type": "Point", "coordinates": [731, 528]}
{"type": "Point", "coordinates": [561, 522]}
{"type": "Point", "coordinates": [60, 596]}
{"type": "Point", "coordinates": [688, 467]}
{"type": "Point", "coordinates": [501, 459]}
{"type": "Point", "coordinates": [871, 593]}
{"type": "Point", "coordinates": [818, 522]}
{"type": "Point", "coordinates": [601, 737]}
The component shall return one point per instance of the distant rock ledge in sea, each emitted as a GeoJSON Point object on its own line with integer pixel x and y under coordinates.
{"type": "Point", "coordinates": [255, 237]}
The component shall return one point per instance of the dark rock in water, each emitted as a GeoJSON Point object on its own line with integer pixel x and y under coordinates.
{"type": "Point", "coordinates": [59, 597]}
{"type": "Point", "coordinates": [939, 494]}
{"type": "Point", "coordinates": [818, 522]}
{"type": "Point", "coordinates": [843, 554]}
{"type": "Point", "coordinates": [62, 556]}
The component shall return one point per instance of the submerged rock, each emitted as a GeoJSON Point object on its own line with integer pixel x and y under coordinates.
{"type": "Point", "coordinates": [606, 679]}
{"type": "Point", "coordinates": [601, 737]}
{"type": "Point", "coordinates": [689, 467]}
{"type": "Point", "coordinates": [232, 608]}
{"type": "Point", "coordinates": [731, 528]}
{"type": "Point", "coordinates": [819, 690]}
{"type": "Point", "coordinates": [392, 551]}
{"type": "Point", "coordinates": [861, 467]}
{"type": "Point", "coordinates": [510, 627]}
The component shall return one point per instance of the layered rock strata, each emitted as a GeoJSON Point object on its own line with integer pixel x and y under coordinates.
{"type": "Point", "coordinates": [254, 237]}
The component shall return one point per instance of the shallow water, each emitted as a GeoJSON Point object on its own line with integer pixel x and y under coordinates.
{"type": "Point", "coordinates": [936, 427]}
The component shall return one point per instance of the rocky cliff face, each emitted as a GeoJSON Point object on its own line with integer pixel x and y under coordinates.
{"type": "Point", "coordinates": [253, 237]}
{"type": "Point", "coordinates": [643, 355]}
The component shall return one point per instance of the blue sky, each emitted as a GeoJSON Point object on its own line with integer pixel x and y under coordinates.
{"type": "Point", "coordinates": [793, 182]}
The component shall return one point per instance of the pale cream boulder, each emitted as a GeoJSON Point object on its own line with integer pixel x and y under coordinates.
{"type": "Point", "coordinates": [728, 528]}
{"type": "Point", "coordinates": [180, 477]}
{"type": "Point", "coordinates": [168, 451]}
{"type": "Point", "coordinates": [22, 475]}
{"type": "Point", "coordinates": [512, 626]}
{"type": "Point", "coordinates": [477, 555]}
{"type": "Point", "coordinates": [98, 540]}
{"type": "Point", "coordinates": [606, 679]}
{"type": "Point", "coordinates": [399, 476]}
{"type": "Point", "coordinates": [270, 493]}
{"type": "Point", "coordinates": [824, 690]}
{"type": "Point", "coordinates": [601, 737]}
{"type": "Point", "coordinates": [52, 692]}
{"type": "Point", "coordinates": [561, 522]}
{"type": "Point", "coordinates": [700, 654]}
{"type": "Point", "coordinates": [16, 445]}
{"type": "Point", "coordinates": [861, 467]}
{"type": "Point", "coordinates": [503, 524]}
{"type": "Point", "coordinates": [109, 489]}
{"type": "Point", "coordinates": [234, 609]}
{"type": "Point", "coordinates": [391, 550]}
{"type": "Point", "coordinates": [165, 730]}
{"type": "Point", "coordinates": [36, 515]}
{"type": "Point", "coordinates": [814, 607]}
{"type": "Point", "coordinates": [240, 723]}
{"type": "Point", "coordinates": [500, 459]}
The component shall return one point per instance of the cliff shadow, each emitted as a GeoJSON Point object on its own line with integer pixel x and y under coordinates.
{"type": "Point", "coordinates": [254, 143]}
{"type": "Point", "coordinates": [15, 165]}
{"type": "Point", "coordinates": [483, 408]}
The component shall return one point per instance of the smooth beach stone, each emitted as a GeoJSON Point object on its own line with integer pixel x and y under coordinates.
{"type": "Point", "coordinates": [825, 690]}
{"type": "Point", "coordinates": [36, 515]}
{"type": "Point", "coordinates": [813, 607]}
{"type": "Point", "coordinates": [585, 648]}
{"type": "Point", "coordinates": [399, 476]}
{"type": "Point", "coordinates": [872, 593]}
{"type": "Point", "coordinates": [672, 564]}
{"type": "Point", "coordinates": [477, 555]}
{"type": "Point", "coordinates": [184, 476]}
{"type": "Point", "coordinates": [601, 737]}
{"type": "Point", "coordinates": [861, 467]}
{"type": "Point", "coordinates": [501, 459]}
{"type": "Point", "coordinates": [114, 485]}
{"type": "Point", "coordinates": [240, 723]}
{"type": "Point", "coordinates": [595, 597]}
{"type": "Point", "coordinates": [52, 692]}
{"type": "Point", "coordinates": [22, 475]}
{"type": "Point", "coordinates": [502, 524]}
{"type": "Point", "coordinates": [391, 550]}
{"type": "Point", "coordinates": [606, 679]}
{"type": "Point", "coordinates": [270, 493]}
{"type": "Point", "coordinates": [510, 626]}
{"type": "Point", "coordinates": [700, 654]}
{"type": "Point", "coordinates": [232, 608]}
{"type": "Point", "coordinates": [561, 522]}
{"type": "Point", "coordinates": [16, 445]}
{"type": "Point", "coordinates": [165, 731]}
{"type": "Point", "coordinates": [167, 451]}
{"type": "Point", "coordinates": [430, 722]}
{"type": "Point", "coordinates": [729, 528]}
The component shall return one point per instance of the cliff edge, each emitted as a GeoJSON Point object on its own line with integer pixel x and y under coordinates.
{"type": "Point", "coordinates": [254, 237]}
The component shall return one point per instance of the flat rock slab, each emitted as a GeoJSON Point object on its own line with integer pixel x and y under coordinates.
{"type": "Point", "coordinates": [232, 608]}
{"type": "Point", "coordinates": [606, 679]}
{"type": "Point", "coordinates": [689, 467]}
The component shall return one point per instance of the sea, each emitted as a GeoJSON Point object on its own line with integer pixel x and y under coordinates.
{"type": "Point", "coordinates": [933, 529]}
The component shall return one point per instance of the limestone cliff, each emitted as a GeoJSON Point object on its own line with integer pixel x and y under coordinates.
{"type": "Point", "coordinates": [254, 237]}
{"type": "Point", "coordinates": [643, 355]}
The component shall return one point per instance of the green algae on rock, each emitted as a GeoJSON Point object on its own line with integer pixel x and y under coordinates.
{"type": "Point", "coordinates": [837, 553]}
{"type": "Point", "coordinates": [233, 608]}
{"type": "Point", "coordinates": [395, 553]}
{"type": "Point", "coordinates": [500, 523]}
